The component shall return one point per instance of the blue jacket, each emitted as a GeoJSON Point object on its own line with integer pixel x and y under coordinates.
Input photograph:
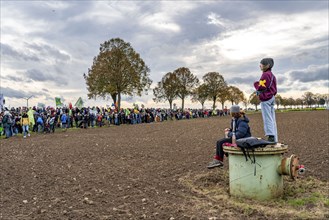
{"type": "Point", "coordinates": [39, 120]}
{"type": "Point", "coordinates": [64, 119]}
{"type": "Point", "coordinates": [242, 129]}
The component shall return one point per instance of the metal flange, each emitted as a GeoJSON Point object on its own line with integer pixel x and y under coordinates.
{"type": "Point", "coordinates": [289, 166]}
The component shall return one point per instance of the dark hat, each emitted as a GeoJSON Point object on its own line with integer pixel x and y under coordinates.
{"type": "Point", "coordinates": [235, 109]}
{"type": "Point", "coordinates": [267, 61]}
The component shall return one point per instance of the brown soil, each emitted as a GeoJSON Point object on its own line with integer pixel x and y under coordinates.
{"type": "Point", "coordinates": [147, 171]}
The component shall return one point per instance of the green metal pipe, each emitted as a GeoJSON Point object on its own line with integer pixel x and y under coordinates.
{"type": "Point", "coordinates": [260, 180]}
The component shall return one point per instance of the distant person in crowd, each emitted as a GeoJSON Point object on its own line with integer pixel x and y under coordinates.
{"type": "Point", "coordinates": [242, 130]}
{"type": "Point", "coordinates": [52, 121]}
{"type": "Point", "coordinates": [266, 91]}
{"type": "Point", "coordinates": [17, 127]}
{"type": "Point", "coordinates": [64, 121]}
{"type": "Point", "coordinates": [7, 123]}
{"type": "Point", "coordinates": [47, 119]}
{"type": "Point", "coordinates": [40, 123]}
{"type": "Point", "coordinates": [25, 121]}
{"type": "Point", "coordinates": [31, 114]}
{"type": "Point", "coordinates": [99, 120]}
{"type": "Point", "coordinates": [225, 110]}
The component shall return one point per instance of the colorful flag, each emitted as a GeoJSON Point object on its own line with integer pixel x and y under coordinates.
{"type": "Point", "coordinates": [58, 102]}
{"type": "Point", "coordinates": [79, 103]}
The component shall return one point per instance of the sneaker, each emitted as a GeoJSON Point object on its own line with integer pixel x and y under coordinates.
{"type": "Point", "coordinates": [24, 137]}
{"type": "Point", "coordinates": [29, 134]}
{"type": "Point", "coordinates": [271, 138]}
{"type": "Point", "coordinates": [215, 163]}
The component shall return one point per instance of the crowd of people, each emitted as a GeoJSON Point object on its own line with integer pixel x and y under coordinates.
{"type": "Point", "coordinates": [46, 120]}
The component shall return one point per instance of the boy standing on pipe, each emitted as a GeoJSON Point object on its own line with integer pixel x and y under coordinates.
{"type": "Point", "coordinates": [266, 91]}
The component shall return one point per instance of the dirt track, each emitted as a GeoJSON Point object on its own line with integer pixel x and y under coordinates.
{"type": "Point", "coordinates": [136, 171]}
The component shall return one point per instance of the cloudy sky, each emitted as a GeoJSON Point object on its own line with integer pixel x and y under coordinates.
{"type": "Point", "coordinates": [46, 46]}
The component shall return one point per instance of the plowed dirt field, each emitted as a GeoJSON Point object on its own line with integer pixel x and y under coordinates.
{"type": "Point", "coordinates": [153, 171]}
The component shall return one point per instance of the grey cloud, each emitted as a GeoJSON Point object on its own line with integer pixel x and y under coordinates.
{"type": "Point", "coordinates": [18, 79]}
{"type": "Point", "coordinates": [311, 74]}
{"type": "Point", "coordinates": [44, 50]}
{"type": "Point", "coordinates": [162, 52]}
{"type": "Point", "coordinates": [195, 27]}
{"type": "Point", "coordinates": [13, 93]}
{"type": "Point", "coordinates": [241, 80]}
{"type": "Point", "coordinates": [326, 84]}
{"type": "Point", "coordinates": [240, 68]}
{"type": "Point", "coordinates": [49, 98]}
{"type": "Point", "coordinates": [283, 89]}
{"type": "Point", "coordinates": [303, 88]}
{"type": "Point", "coordinates": [37, 75]}
{"type": "Point", "coordinates": [317, 39]}
{"type": "Point", "coordinates": [316, 56]}
{"type": "Point", "coordinates": [85, 29]}
{"type": "Point", "coordinates": [48, 11]}
{"type": "Point", "coordinates": [288, 7]}
{"type": "Point", "coordinates": [282, 79]}
{"type": "Point", "coordinates": [8, 51]}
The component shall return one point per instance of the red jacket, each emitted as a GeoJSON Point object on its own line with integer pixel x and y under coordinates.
{"type": "Point", "coordinates": [266, 86]}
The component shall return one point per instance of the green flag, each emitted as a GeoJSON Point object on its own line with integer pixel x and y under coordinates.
{"type": "Point", "coordinates": [58, 102]}
{"type": "Point", "coordinates": [79, 103]}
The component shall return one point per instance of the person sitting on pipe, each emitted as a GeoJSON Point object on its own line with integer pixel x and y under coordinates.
{"type": "Point", "coordinates": [240, 130]}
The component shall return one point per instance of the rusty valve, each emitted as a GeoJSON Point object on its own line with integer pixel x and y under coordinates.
{"type": "Point", "coordinates": [301, 169]}
{"type": "Point", "coordinates": [290, 166]}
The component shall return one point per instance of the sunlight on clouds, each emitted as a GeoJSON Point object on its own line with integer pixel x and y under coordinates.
{"type": "Point", "coordinates": [100, 14]}
{"type": "Point", "coordinates": [272, 35]}
{"type": "Point", "coordinates": [56, 4]}
{"type": "Point", "coordinates": [160, 22]}
{"type": "Point", "coordinates": [109, 12]}
{"type": "Point", "coordinates": [23, 24]}
{"type": "Point", "coordinates": [216, 19]}
{"type": "Point", "coordinates": [60, 39]}
{"type": "Point", "coordinates": [164, 19]}
{"type": "Point", "coordinates": [22, 28]}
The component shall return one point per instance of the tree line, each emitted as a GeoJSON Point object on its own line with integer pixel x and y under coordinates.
{"type": "Point", "coordinates": [308, 99]}
{"type": "Point", "coordinates": [119, 70]}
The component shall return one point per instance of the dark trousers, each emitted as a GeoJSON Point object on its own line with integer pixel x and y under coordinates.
{"type": "Point", "coordinates": [219, 147]}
